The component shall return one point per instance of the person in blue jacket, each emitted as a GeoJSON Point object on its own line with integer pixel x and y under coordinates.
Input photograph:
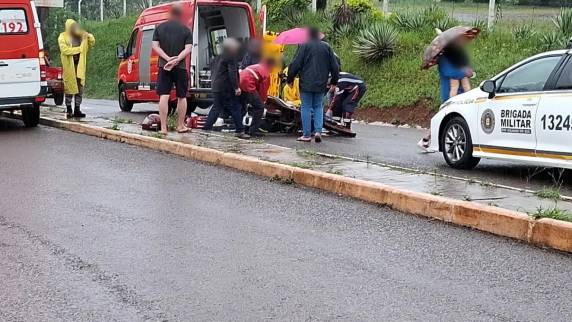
{"type": "Point", "coordinates": [446, 72]}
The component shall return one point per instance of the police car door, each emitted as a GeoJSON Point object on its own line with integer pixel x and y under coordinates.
{"type": "Point", "coordinates": [554, 120]}
{"type": "Point", "coordinates": [507, 122]}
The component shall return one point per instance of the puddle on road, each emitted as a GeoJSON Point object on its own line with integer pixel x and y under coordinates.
{"type": "Point", "coordinates": [309, 159]}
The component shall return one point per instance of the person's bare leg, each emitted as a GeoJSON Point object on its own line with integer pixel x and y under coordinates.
{"type": "Point", "coordinates": [454, 84]}
{"type": "Point", "coordinates": [163, 111]}
{"type": "Point", "coordinates": [466, 84]}
{"type": "Point", "coordinates": [182, 112]}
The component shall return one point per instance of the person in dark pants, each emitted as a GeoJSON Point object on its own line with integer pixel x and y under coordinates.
{"type": "Point", "coordinates": [226, 88]}
{"type": "Point", "coordinates": [254, 84]}
{"type": "Point", "coordinates": [346, 96]}
{"type": "Point", "coordinates": [172, 41]}
{"type": "Point", "coordinates": [314, 63]}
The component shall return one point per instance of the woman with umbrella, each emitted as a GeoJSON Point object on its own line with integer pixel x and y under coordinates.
{"type": "Point", "coordinates": [447, 51]}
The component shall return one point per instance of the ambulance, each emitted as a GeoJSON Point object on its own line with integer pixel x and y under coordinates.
{"type": "Point", "coordinates": [23, 82]}
{"type": "Point", "coordinates": [210, 22]}
{"type": "Point", "coordinates": [524, 114]}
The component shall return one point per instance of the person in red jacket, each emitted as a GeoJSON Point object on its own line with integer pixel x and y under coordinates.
{"type": "Point", "coordinates": [254, 84]}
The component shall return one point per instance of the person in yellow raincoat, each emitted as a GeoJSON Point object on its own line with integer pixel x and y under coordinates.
{"type": "Point", "coordinates": [291, 94]}
{"type": "Point", "coordinates": [74, 46]}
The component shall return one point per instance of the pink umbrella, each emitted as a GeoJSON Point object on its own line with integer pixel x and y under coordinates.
{"type": "Point", "coordinates": [294, 36]}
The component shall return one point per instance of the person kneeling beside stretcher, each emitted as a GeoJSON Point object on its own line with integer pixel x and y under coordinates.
{"type": "Point", "coordinates": [346, 96]}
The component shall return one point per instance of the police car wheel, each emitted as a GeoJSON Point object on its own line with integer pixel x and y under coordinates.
{"type": "Point", "coordinates": [124, 104]}
{"type": "Point", "coordinates": [457, 145]}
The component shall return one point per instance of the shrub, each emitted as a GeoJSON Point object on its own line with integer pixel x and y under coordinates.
{"type": "Point", "coordinates": [434, 13]}
{"type": "Point", "coordinates": [522, 32]}
{"type": "Point", "coordinates": [277, 8]}
{"type": "Point", "coordinates": [376, 42]}
{"type": "Point", "coordinates": [343, 15]}
{"type": "Point", "coordinates": [564, 22]}
{"type": "Point", "coordinates": [361, 6]}
{"type": "Point", "coordinates": [293, 17]}
{"type": "Point", "coordinates": [409, 21]}
{"type": "Point", "coordinates": [444, 23]}
{"type": "Point", "coordinates": [552, 40]}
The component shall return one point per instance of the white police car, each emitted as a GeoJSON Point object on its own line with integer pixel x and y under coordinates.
{"type": "Point", "coordinates": [523, 114]}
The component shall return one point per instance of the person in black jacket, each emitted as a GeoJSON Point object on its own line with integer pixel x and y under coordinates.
{"type": "Point", "coordinates": [225, 87]}
{"type": "Point", "coordinates": [314, 63]}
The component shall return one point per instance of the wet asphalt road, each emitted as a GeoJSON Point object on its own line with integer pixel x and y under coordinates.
{"type": "Point", "coordinates": [101, 231]}
{"type": "Point", "coordinates": [389, 145]}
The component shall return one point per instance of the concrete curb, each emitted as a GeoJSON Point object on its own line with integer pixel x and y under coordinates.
{"type": "Point", "coordinates": [544, 232]}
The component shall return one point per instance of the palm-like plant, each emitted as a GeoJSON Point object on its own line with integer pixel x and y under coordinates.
{"type": "Point", "coordinates": [564, 22]}
{"type": "Point", "coordinates": [376, 42]}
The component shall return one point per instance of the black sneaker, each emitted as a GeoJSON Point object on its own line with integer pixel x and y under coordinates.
{"type": "Point", "coordinates": [77, 112]}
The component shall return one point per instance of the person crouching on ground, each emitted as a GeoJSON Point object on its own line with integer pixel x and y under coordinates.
{"type": "Point", "coordinates": [254, 84]}
{"type": "Point", "coordinates": [226, 88]}
{"type": "Point", "coordinates": [172, 41]}
{"type": "Point", "coordinates": [74, 46]}
{"type": "Point", "coordinates": [314, 63]}
{"type": "Point", "coordinates": [346, 96]}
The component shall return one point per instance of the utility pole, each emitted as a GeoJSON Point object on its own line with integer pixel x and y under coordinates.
{"type": "Point", "coordinates": [150, 3]}
{"type": "Point", "coordinates": [314, 5]}
{"type": "Point", "coordinates": [258, 5]}
{"type": "Point", "coordinates": [79, 9]}
{"type": "Point", "coordinates": [491, 18]}
{"type": "Point", "coordinates": [101, 10]}
{"type": "Point", "coordinates": [385, 7]}
{"type": "Point", "coordinates": [124, 8]}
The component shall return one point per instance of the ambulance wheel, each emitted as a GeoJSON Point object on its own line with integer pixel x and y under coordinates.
{"type": "Point", "coordinates": [124, 104]}
{"type": "Point", "coordinates": [457, 145]}
{"type": "Point", "coordinates": [59, 99]}
{"type": "Point", "coordinates": [31, 115]}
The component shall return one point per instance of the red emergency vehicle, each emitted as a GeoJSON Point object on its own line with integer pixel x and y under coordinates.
{"type": "Point", "coordinates": [210, 22]}
{"type": "Point", "coordinates": [22, 65]}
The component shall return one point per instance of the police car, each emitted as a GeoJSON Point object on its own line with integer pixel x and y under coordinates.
{"type": "Point", "coordinates": [523, 114]}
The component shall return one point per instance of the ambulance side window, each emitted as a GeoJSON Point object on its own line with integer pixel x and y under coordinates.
{"type": "Point", "coordinates": [530, 77]}
{"type": "Point", "coordinates": [565, 80]}
{"type": "Point", "coordinates": [132, 46]}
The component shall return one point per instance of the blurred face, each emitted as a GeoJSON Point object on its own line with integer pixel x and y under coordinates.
{"type": "Point", "coordinates": [75, 30]}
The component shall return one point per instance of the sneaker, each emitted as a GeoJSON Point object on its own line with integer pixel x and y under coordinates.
{"type": "Point", "coordinates": [318, 137]}
{"type": "Point", "coordinates": [243, 136]}
{"type": "Point", "coordinates": [304, 139]}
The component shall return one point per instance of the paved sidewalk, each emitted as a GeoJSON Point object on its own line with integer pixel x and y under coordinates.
{"type": "Point", "coordinates": [304, 157]}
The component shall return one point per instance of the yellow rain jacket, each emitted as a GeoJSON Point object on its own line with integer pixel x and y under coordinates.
{"type": "Point", "coordinates": [67, 51]}
{"type": "Point", "coordinates": [292, 94]}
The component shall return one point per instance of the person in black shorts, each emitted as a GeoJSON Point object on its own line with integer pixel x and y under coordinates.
{"type": "Point", "coordinates": [172, 41]}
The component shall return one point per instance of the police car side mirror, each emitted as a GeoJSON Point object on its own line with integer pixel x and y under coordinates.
{"type": "Point", "coordinates": [121, 52]}
{"type": "Point", "coordinates": [489, 86]}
